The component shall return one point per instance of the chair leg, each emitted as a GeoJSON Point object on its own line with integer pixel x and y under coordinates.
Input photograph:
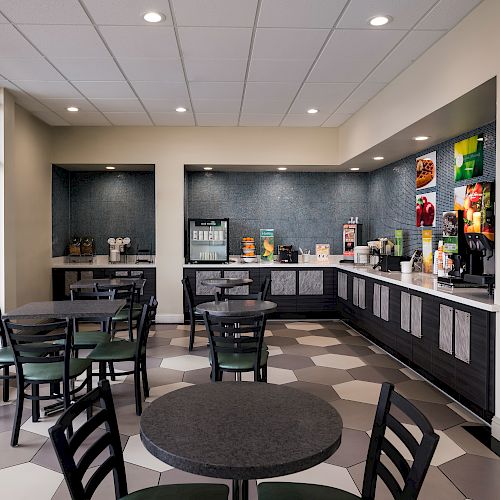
{"type": "Point", "coordinates": [102, 370]}
{"type": "Point", "coordinates": [5, 392]}
{"type": "Point", "coordinates": [145, 382]}
{"type": "Point", "coordinates": [264, 374]}
{"type": "Point", "coordinates": [112, 371]}
{"type": "Point", "coordinates": [35, 403]}
{"type": "Point", "coordinates": [137, 385]}
{"type": "Point", "coordinates": [19, 413]}
{"type": "Point", "coordinates": [192, 328]}
{"type": "Point", "coordinates": [89, 388]}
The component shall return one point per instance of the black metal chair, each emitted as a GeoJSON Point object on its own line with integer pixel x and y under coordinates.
{"type": "Point", "coordinates": [74, 469]}
{"type": "Point", "coordinates": [6, 362]}
{"type": "Point", "coordinates": [412, 475]}
{"type": "Point", "coordinates": [115, 352]}
{"type": "Point", "coordinates": [262, 294]}
{"type": "Point", "coordinates": [236, 345]}
{"type": "Point", "coordinates": [39, 359]}
{"type": "Point", "coordinates": [193, 315]}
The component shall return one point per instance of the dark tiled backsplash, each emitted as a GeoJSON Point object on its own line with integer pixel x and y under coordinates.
{"type": "Point", "coordinates": [103, 205]}
{"type": "Point", "coordinates": [306, 208]}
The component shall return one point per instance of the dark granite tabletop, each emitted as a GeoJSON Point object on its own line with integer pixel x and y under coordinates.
{"type": "Point", "coordinates": [237, 307]}
{"type": "Point", "coordinates": [241, 430]}
{"type": "Point", "coordinates": [90, 283]}
{"type": "Point", "coordinates": [227, 282]}
{"type": "Point", "coordinates": [67, 309]}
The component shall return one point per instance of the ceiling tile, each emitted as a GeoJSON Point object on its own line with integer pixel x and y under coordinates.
{"type": "Point", "coordinates": [50, 118]}
{"type": "Point", "coordinates": [215, 70]}
{"type": "Point", "coordinates": [326, 97]}
{"type": "Point", "coordinates": [412, 47]}
{"type": "Point", "coordinates": [272, 91]}
{"type": "Point", "coordinates": [260, 120]}
{"type": "Point", "coordinates": [173, 119]}
{"type": "Point", "coordinates": [446, 14]}
{"type": "Point", "coordinates": [28, 69]}
{"type": "Point", "coordinates": [88, 119]}
{"type": "Point", "coordinates": [360, 97]}
{"type": "Point", "coordinates": [27, 102]}
{"type": "Point", "coordinates": [165, 105]}
{"type": "Point", "coordinates": [141, 41]}
{"type": "Point", "coordinates": [217, 119]}
{"type": "Point", "coordinates": [288, 43]}
{"type": "Point", "coordinates": [126, 12]}
{"type": "Point", "coordinates": [103, 90]}
{"type": "Point", "coordinates": [65, 41]}
{"type": "Point", "coordinates": [337, 119]}
{"type": "Point", "coordinates": [304, 120]}
{"type": "Point", "coordinates": [44, 11]}
{"type": "Point", "coordinates": [47, 89]}
{"type": "Point", "coordinates": [216, 90]}
{"type": "Point", "coordinates": [129, 119]}
{"type": "Point", "coordinates": [261, 106]}
{"type": "Point", "coordinates": [215, 43]}
{"type": "Point", "coordinates": [116, 105]}
{"type": "Point", "coordinates": [234, 13]}
{"type": "Point", "coordinates": [91, 69]}
{"type": "Point", "coordinates": [13, 44]}
{"type": "Point", "coordinates": [405, 13]}
{"type": "Point", "coordinates": [216, 105]}
{"type": "Point", "coordinates": [300, 13]}
{"type": "Point", "coordinates": [351, 54]}
{"type": "Point", "coordinates": [160, 70]}
{"type": "Point", "coordinates": [278, 70]}
{"type": "Point", "coordinates": [162, 90]}
{"type": "Point", "coordinates": [59, 105]}
{"type": "Point", "coordinates": [3, 20]}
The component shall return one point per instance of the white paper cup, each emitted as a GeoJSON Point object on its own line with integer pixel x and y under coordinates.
{"type": "Point", "coordinates": [406, 267]}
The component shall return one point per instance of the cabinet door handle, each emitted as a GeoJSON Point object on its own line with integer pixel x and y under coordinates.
{"type": "Point", "coordinates": [416, 316]}
{"type": "Point", "coordinates": [361, 293]}
{"type": "Point", "coordinates": [376, 300]}
{"type": "Point", "coordinates": [446, 328]}
{"type": "Point", "coordinates": [355, 292]}
{"type": "Point", "coordinates": [462, 336]}
{"type": "Point", "coordinates": [405, 311]}
{"type": "Point", "coordinates": [384, 303]}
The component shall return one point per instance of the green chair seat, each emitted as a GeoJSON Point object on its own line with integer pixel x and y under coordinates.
{"type": "Point", "coordinates": [239, 361]}
{"type": "Point", "coordinates": [123, 315]}
{"type": "Point", "coordinates": [114, 351]}
{"type": "Point", "coordinates": [39, 372]}
{"type": "Point", "coordinates": [6, 356]}
{"type": "Point", "coordinates": [301, 491]}
{"type": "Point", "coordinates": [88, 339]}
{"type": "Point", "coordinates": [181, 491]}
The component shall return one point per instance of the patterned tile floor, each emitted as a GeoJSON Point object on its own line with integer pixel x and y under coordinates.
{"type": "Point", "coordinates": [325, 358]}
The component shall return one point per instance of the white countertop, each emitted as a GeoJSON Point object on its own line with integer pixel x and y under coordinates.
{"type": "Point", "coordinates": [99, 261]}
{"type": "Point", "coordinates": [421, 282]}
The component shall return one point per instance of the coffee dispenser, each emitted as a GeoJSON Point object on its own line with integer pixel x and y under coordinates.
{"type": "Point", "coordinates": [351, 237]}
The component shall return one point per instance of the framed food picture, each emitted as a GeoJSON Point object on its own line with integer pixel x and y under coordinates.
{"type": "Point", "coordinates": [426, 209]}
{"type": "Point", "coordinates": [426, 170]}
{"type": "Point", "coordinates": [469, 157]}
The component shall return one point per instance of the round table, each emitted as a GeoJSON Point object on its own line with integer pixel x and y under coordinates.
{"type": "Point", "coordinates": [226, 283]}
{"type": "Point", "coordinates": [237, 307]}
{"type": "Point", "coordinates": [241, 430]}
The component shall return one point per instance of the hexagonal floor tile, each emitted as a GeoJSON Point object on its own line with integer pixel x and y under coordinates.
{"type": "Point", "coordinates": [304, 326]}
{"type": "Point", "coordinates": [304, 350]}
{"type": "Point", "coordinates": [161, 390]}
{"type": "Point", "coordinates": [337, 361]}
{"type": "Point", "coordinates": [325, 392]}
{"type": "Point", "coordinates": [160, 376]}
{"type": "Point", "coordinates": [202, 376]}
{"type": "Point", "coordinates": [358, 416]}
{"type": "Point", "coordinates": [184, 341]}
{"type": "Point", "coordinates": [349, 350]}
{"type": "Point", "coordinates": [290, 362]}
{"type": "Point", "coordinates": [30, 443]}
{"type": "Point", "coordinates": [45, 423]}
{"type": "Point", "coordinates": [378, 374]}
{"type": "Point", "coordinates": [360, 391]}
{"type": "Point", "coordinates": [136, 453]}
{"type": "Point", "coordinates": [268, 333]}
{"type": "Point", "coordinates": [353, 450]}
{"type": "Point", "coordinates": [186, 328]}
{"type": "Point", "coordinates": [274, 350]}
{"type": "Point", "coordinates": [322, 375]}
{"type": "Point", "coordinates": [185, 363]}
{"type": "Point", "coordinates": [317, 341]}
{"type": "Point", "coordinates": [280, 341]}
{"type": "Point", "coordinates": [422, 391]}
{"type": "Point", "coordinates": [285, 332]}
{"type": "Point", "coordinates": [274, 376]}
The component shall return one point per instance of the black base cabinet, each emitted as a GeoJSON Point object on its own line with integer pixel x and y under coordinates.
{"type": "Point", "coordinates": [450, 344]}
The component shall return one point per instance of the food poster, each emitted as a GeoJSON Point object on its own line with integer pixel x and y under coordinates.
{"type": "Point", "coordinates": [322, 251]}
{"type": "Point", "coordinates": [426, 170]}
{"type": "Point", "coordinates": [426, 209]}
{"type": "Point", "coordinates": [469, 158]}
{"type": "Point", "coordinates": [427, 250]}
{"type": "Point", "coordinates": [476, 202]}
{"type": "Point", "coordinates": [267, 244]}
{"type": "Point", "coordinates": [450, 231]}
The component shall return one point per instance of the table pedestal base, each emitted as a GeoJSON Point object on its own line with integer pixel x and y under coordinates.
{"type": "Point", "coordinates": [240, 486]}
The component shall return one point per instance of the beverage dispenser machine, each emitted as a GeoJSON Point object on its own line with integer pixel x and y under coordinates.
{"type": "Point", "coordinates": [351, 237]}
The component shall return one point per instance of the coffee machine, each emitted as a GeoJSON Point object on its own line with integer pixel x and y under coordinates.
{"type": "Point", "coordinates": [287, 255]}
{"type": "Point", "coordinates": [117, 249]}
{"type": "Point", "coordinates": [481, 268]}
{"type": "Point", "coordinates": [351, 237]}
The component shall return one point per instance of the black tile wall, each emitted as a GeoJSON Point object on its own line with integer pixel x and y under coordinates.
{"type": "Point", "coordinates": [105, 204]}
{"type": "Point", "coordinates": [60, 210]}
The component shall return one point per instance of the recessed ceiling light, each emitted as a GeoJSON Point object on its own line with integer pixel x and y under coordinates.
{"type": "Point", "coordinates": [72, 109]}
{"type": "Point", "coordinates": [421, 138]}
{"type": "Point", "coordinates": [109, 167]}
{"type": "Point", "coordinates": [354, 169]}
{"type": "Point", "coordinates": [180, 109]}
{"type": "Point", "coordinates": [378, 158]}
{"type": "Point", "coordinates": [154, 17]}
{"type": "Point", "coordinates": [207, 168]}
{"type": "Point", "coordinates": [282, 169]}
{"type": "Point", "coordinates": [312, 111]}
{"type": "Point", "coordinates": [380, 20]}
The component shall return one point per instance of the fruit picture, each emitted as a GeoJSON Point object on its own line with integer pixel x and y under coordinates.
{"type": "Point", "coordinates": [426, 210]}
{"type": "Point", "coordinates": [267, 244]}
{"type": "Point", "coordinates": [469, 157]}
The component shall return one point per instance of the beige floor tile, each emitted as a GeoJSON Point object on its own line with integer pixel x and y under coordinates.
{"type": "Point", "coordinates": [274, 350]}
{"type": "Point", "coordinates": [185, 363]}
{"type": "Point", "coordinates": [360, 391]}
{"type": "Point", "coordinates": [135, 453]}
{"type": "Point", "coordinates": [304, 326]}
{"type": "Point", "coordinates": [186, 328]}
{"type": "Point", "coordinates": [45, 423]}
{"type": "Point", "coordinates": [29, 481]}
{"type": "Point", "coordinates": [338, 361]}
{"type": "Point", "coordinates": [184, 341]}
{"type": "Point", "coordinates": [463, 412]}
{"type": "Point", "coordinates": [274, 376]}
{"type": "Point", "coordinates": [30, 443]}
{"type": "Point", "coordinates": [469, 443]}
{"type": "Point", "coordinates": [161, 390]}
{"type": "Point", "coordinates": [316, 340]}
{"type": "Point", "coordinates": [421, 391]}
{"type": "Point", "coordinates": [358, 416]}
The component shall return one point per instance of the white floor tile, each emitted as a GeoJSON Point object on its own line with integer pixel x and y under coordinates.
{"type": "Point", "coordinates": [185, 363]}
{"type": "Point", "coordinates": [135, 453]}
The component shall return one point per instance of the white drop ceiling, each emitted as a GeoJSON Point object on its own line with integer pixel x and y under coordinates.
{"type": "Point", "coordinates": [228, 62]}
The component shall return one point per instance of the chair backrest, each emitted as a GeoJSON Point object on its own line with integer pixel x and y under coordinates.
{"type": "Point", "coordinates": [188, 292]}
{"type": "Point", "coordinates": [409, 484]}
{"type": "Point", "coordinates": [66, 448]}
{"type": "Point", "coordinates": [265, 287]}
{"type": "Point", "coordinates": [3, 335]}
{"type": "Point", "coordinates": [235, 335]}
{"type": "Point", "coordinates": [93, 295]}
{"type": "Point", "coordinates": [36, 343]}
{"type": "Point", "coordinates": [147, 317]}
{"type": "Point", "coordinates": [122, 292]}
{"type": "Point", "coordinates": [260, 295]}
